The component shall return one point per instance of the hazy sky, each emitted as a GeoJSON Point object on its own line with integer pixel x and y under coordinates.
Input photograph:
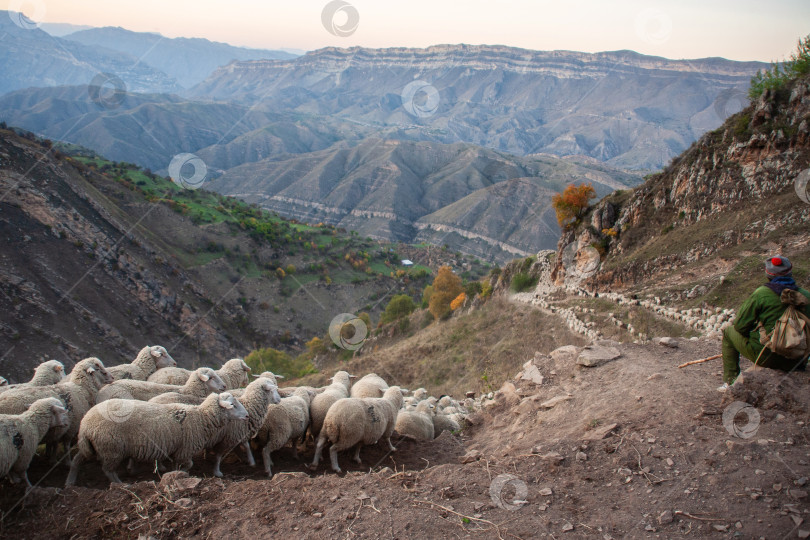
{"type": "Point", "coordinates": [736, 29]}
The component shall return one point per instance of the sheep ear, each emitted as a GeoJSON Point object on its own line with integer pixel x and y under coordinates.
{"type": "Point", "coordinates": [226, 402]}
{"type": "Point", "coordinates": [245, 367]}
{"type": "Point", "coordinates": [352, 376]}
{"type": "Point", "coordinates": [156, 352]}
{"type": "Point", "coordinates": [203, 377]}
{"type": "Point", "coordinates": [404, 391]}
{"type": "Point", "coordinates": [279, 376]}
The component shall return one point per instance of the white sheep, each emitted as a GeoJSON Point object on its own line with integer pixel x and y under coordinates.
{"type": "Point", "coordinates": [283, 423]}
{"type": "Point", "coordinates": [442, 422]}
{"type": "Point", "coordinates": [203, 382]}
{"type": "Point", "coordinates": [370, 386]}
{"type": "Point", "coordinates": [149, 359]}
{"type": "Point", "coordinates": [341, 383]}
{"type": "Point", "coordinates": [151, 432]}
{"type": "Point", "coordinates": [45, 374]}
{"type": "Point", "coordinates": [419, 394]}
{"type": "Point", "coordinates": [358, 421]}
{"type": "Point", "coordinates": [256, 398]}
{"type": "Point", "coordinates": [417, 424]}
{"type": "Point", "coordinates": [77, 394]}
{"type": "Point", "coordinates": [20, 435]}
{"type": "Point", "coordinates": [234, 373]}
{"type": "Point", "coordinates": [3, 381]}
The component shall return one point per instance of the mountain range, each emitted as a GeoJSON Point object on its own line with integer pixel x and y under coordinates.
{"type": "Point", "coordinates": [624, 108]}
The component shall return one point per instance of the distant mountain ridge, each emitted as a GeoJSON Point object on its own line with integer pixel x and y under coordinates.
{"type": "Point", "coordinates": [624, 108]}
{"type": "Point", "coordinates": [188, 60]}
{"type": "Point", "coordinates": [476, 200]}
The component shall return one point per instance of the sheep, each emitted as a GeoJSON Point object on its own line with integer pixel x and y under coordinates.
{"type": "Point", "coordinates": [203, 382]}
{"type": "Point", "coordinates": [283, 423]}
{"type": "Point", "coordinates": [45, 374]}
{"type": "Point", "coordinates": [151, 432]}
{"type": "Point", "coordinates": [260, 395]}
{"type": "Point", "coordinates": [77, 394]}
{"type": "Point", "coordinates": [418, 424]}
{"type": "Point", "coordinates": [234, 373]}
{"type": "Point", "coordinates": [20, 435]}
{"type": "Point", "coordinates": [358, 421]}
{"type": "Point", "coordinates": [444, 423]}
{"type": "Point", "coordinates": [419, 394]}
{"type": "Point", "coordinates": [341, 383]}
{"type": "Point", "coordinates": [3, 381]}
{"type": "Point", "coordinates": [370, 386]}
{"type": "Point", "coordinates": [149, 360]}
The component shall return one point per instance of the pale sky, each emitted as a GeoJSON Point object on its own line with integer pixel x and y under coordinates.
{"type": "Point", "coordinates": [735, 29]}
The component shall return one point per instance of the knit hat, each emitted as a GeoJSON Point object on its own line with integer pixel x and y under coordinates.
{"type": "Point", "coordinates": [777, 266]}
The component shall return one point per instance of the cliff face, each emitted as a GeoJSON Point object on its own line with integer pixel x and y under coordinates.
{"type": "Point", "coordinates": [732, 195]}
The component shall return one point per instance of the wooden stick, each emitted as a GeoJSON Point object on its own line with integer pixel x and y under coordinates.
{"type": "Point", "coordinates": [693, 362]}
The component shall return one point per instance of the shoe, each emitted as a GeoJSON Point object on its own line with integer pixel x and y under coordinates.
{"type": "Point", "coordinates": [723, 387]}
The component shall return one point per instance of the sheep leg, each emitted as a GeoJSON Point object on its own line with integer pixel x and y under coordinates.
{"type": "Point", "coordinates": [251, 461]}
{"type": "Point", "coordinates": [217, 461]}
{"type": "Point", "coordinates": [268, 461]}
{"type": "Point", "coordinates": [356, 457]}
{"type": "Point", "coordinates": [294, 449]}
{"type": "Point", "coordinates": [319, 450]}
{"type": "Point", "coordinates": [334, 458]}
{"type": "Point", "coordinates": [74, 469]}
{"type": "Point", "coordinates": [390, 446]}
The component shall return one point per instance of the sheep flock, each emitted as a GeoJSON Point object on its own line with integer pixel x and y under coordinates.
{"type": "Point", "coordinates": [151, 412]}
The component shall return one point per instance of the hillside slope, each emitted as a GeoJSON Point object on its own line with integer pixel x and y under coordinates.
{"type": "Point", "coordinates": [103, 258]}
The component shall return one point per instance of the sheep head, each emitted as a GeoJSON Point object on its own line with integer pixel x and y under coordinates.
{"type": "Point", "coordinates": [161, 357]}
{"type": "Point", "coordinates": [212, 381]}
{"type": "Point", "coordinates": [59, 415]}
{"type": "Point", "coordinates": [232, 406]}
{"type": "Point", "coordinates": [271, 388]}
{"type": "Point", "coordinates": [93, 369]}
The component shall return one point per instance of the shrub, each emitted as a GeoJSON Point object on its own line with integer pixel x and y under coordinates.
{"type": "Point", "coordinates": [426, 294]}
{"type": "Point", "coordinates": [280, 273]}
{"type": "Point", "coordinates": [571, 204]}
{"type": "Point", "coordinates": [279, 363]}
{"type": "Point", "coordinates": [290, 269]}
{"type": "Point", "coordinates": [400, 306]}
{"type": "Point", "coordinates": [472, 288]}
{"type": "Point", "coordinates": [458, 301]}
{"type": "Point", "coordinates": [523, 282]}
{"type": "Point", "coordinates": [446, 287]}
{"type": "Point", "coordinates": [777, 77]}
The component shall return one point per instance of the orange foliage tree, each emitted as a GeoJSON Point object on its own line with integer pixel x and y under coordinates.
{"type": "Point", "coordinates": [458, 301]}
{"type": "Point", "coordinates": [446, 287]}
{"type": "Point", "coordinates": [572, 203]}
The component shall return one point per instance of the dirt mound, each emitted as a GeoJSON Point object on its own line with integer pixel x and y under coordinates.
{"type": "Point", "coordinates": [634, 447]}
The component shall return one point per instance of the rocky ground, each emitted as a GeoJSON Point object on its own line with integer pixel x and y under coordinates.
{"type": "Point", "coordinates": [629, 446]}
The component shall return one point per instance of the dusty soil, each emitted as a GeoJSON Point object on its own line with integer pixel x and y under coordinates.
{"type": "Point", "coordinates": [669, 468]}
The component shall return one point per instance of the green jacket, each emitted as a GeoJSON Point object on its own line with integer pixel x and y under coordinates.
{"type": "Point", "coordinates": [763, 305]}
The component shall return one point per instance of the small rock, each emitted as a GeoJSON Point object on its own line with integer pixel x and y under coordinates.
{"type": "Point", "coordinates": [803, 534]}
{"type": "Point", "coordinates": [594, 355]}
{"type": "Point", "coordinates": [796, 520]}
{"type": "Point", "coordinates": [672, 343]}
{"type": "Point", "coordinates": [532, 374]}
{"type": "Point", "coordinates": [720, 528]}
{"type": "Point", "coordinates": [545, 492]}
{"type": "Point", "coordinates": [581, 456]}
{"type": "Point", "coordinates": [801, 481]}
{"type": "Point", "coordinates": [759, 472]}
{"type": "Point", "coordinates": [554, 457]}
{"type": "Point", "coordinates": [599, 433]}
{"type": "Point", "coordinates": [670, 463]}
{"type": "Point", "coordinates": [469, 457]}
{"type": "Point", "coordinates": [478, 506]}
{"type": "Point", "coordinates": [551, 403]}
{"type": "Point", "coordinates": [470, 395]}
{"type": "Point", "coordinates": [797, 493]}
{"type": "Point", "coordinates": [777, 487]}
{"type": "Point", "coordinates": [567, 527]}
{"type": "Point", "coordinates": [185, 502]}
{"type": "Point", "coordinates": [317, 514]}
{"type": "Point", "coordinates": [543, 507]}
{"type": "Point", "coordinates": [665, 517]}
